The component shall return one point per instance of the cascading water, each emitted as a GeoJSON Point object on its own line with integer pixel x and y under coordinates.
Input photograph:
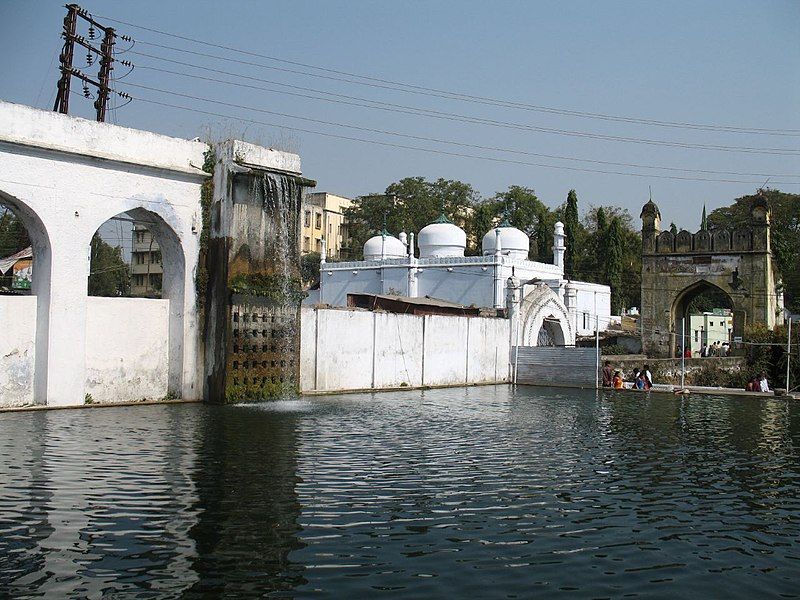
{"type": "Point", "coordinates": [263, 357]}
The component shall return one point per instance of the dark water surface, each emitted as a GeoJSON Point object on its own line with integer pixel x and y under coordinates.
{"type": "Point", "coordinates": [450, 493]}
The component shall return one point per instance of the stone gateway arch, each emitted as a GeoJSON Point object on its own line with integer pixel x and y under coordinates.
{"type": "Point", "coordinates": [736, 266]}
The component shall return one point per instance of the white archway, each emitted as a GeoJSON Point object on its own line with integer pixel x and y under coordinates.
{"type": "Point", "coordinates": [40, 287]}
{"type": "Point", "coordinates": [173, 286]}
{"type": "Point", "coordinates": [544, 314]}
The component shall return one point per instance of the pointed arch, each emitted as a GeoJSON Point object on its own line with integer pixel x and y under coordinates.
{"type": "Point", "coordinates": [543, 311]}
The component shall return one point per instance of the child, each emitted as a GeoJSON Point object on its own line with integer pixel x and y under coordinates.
{"type": "Point", "coordinates": [617, 381]}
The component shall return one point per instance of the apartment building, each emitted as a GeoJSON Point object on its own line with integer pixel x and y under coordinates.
{"type": "Point", "coordinates": [322, 216]}
{"type": "Point", "coordinates": [146, 267]}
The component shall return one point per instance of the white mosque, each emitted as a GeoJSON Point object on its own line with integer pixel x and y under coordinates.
{"type": "Point", "coordinates": [547, 308]}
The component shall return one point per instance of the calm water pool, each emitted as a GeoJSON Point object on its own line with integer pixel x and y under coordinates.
{"type": "Point", "coordinates": [478, 492]}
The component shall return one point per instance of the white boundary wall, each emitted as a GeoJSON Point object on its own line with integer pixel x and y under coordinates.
{"type": "Point", "coordinates": [345, 350]}
{"type": "Point", "coordinates": [127, 349]}
{"type": "Point", "coordinates": [17, 349]}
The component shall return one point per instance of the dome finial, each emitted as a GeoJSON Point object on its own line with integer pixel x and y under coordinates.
{"type": "Point", "coordinates": [506, 221]}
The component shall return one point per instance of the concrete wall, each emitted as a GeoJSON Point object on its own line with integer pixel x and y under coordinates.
{"type": "Point", "coordinates": [17, 349]}
{"type": "Point", "coordinates": [65, 177]}
{"type": "Point", "coordinates": [127, 349]}
{"type": "Point", "coordinates": [351, 349]}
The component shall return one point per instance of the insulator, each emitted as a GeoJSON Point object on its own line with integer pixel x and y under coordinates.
{"type": "Point", "coordinates": [89, 59]}
{"type": "Point", "coordinates": [127, 38]}
{"type": "Point", "coordinates": [91, 32]}
{"type": "Point", "coordinates": [86, 93]}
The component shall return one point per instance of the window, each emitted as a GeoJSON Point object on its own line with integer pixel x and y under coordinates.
{"type": "Point", "coordinates": [711, 323]}
{"type": "Point", "coordinates": [307, 219]}
{"type": "Point", "coordinates": [306, 243]}
{"type": "Point", "coordinates": [586, 320]}
{"type": "Point", "coordinates": [318, 221]}
{"type": "Point", "coordinates": [156, 257]}
{"type": "Point", "coordinates": [319, 245]}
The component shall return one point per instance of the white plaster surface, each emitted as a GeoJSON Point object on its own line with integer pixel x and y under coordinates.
{"type": "Point", "coordinates": [344, 350]}
{"type": "Point", "coordinates": [17, 349]}
{"type": "Point", "coordinates": [398, 340]}
{"type": "Point", "coordinates": [127, 349]}
{"type": "Point", "coordinates": [69, 176]}
{"type": "Point", "coordinates": [445, 354]}
{"type": "Point", "coordinates": [22, 124]}
{"type": "Point", "coordinates": [488, 351]}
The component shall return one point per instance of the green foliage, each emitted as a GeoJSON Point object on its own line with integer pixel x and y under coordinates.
{"type": "Point", "coordinates": [614, 350]}
{"type": "Point", "coordinates": [309, 268]}
{"type": "Point", "coordinates": [614, 265]}
{"type": "Point", "coordinates": [277, 288]}
{"type": "Point", "coordinates": [206, 199]}
{"type": "Point", "coordinates": [713, 373]}
{"type": "Point", "coordinates": [13, 235]}
{"type": "Point", "coordinates": [785, 230]}
{"type": "Point", "coordinates": [767, 352]}
{"type": "Point", "coordinates": [87, 399]}
{"type": "Point", "coordinates": [408, 205]}
{"type": "Point", "coordinates": [571, 226]}
{"type": "Point", "coordinates": [239, 393]}
{"type": "Point", "coordinates": [109, 275]}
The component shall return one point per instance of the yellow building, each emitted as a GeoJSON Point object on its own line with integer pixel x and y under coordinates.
{"type": "Point", "coordinates": [322, 217]}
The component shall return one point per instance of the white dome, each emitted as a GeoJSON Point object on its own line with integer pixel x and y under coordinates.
{"type": "Point", "coordinates": [513, 242]}
{"type": "Point", "coordinates": [384, 246]}
{"type": "Point", "coordinates": [441, 239]}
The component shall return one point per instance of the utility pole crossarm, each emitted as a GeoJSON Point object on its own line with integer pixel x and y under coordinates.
{"type": "Point", "coordinates": [105, 53]}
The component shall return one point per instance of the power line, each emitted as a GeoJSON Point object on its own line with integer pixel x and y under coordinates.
{"type": "Point", "coordinates": [584, 134]}
{"type": "Point", "coordinates": [408, 147]}
{"type": "Point", "coordinates": [439, 115]}
{"type": "Point", "coordinates": [428, 91]}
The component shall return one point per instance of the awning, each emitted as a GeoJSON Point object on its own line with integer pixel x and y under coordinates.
{"type": "Point", "coordinates": [10, 261]}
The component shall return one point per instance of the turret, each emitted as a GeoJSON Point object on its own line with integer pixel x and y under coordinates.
{"type": "Point", "coordinates": [651, 226]}
{"type": "Point", "coordinates": [760, 218]}
{"type": "Point", "coordinates": [559, 245]}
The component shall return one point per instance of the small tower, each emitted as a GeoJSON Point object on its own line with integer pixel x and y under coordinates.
{"type": "Point", "coordinates": [559, 247]}
{"type": "Point", "coordinates": [651, 226]}
{"type": "Point", "coordinates": [760, 219]}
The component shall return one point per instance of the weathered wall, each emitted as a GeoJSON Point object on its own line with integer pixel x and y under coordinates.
{"type": "Point", "coordinates": [17, 349]}
{"type": "Point", "coordinates": [351, 349]}
{"type": "Point", "coordinates": [127, 349]}
{"type": "Point", "coordinates": [66, 176]}
{"type": "Point", "coordinates": [711, 371]}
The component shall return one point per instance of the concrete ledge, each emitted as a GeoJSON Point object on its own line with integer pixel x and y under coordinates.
{"type": "Point", "coordinates": [97, 405]}
{"type": "Point", "coordinates": [50, 130]}
{"type": "Point", "coordinates": [400, 389]}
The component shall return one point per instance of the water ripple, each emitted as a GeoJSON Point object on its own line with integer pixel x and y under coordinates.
{"type": "Point", "coordinates": [477, 491]}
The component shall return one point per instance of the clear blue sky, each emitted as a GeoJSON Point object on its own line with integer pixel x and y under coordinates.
{"type": "Point", "coordinates": [731, 63]}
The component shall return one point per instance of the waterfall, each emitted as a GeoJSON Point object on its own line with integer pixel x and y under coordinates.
{"type": "Point", "coordinates": [266, 291]}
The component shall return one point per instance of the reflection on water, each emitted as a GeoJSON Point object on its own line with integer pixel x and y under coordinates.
{"type": "Point", "coordinates": [449, 492]}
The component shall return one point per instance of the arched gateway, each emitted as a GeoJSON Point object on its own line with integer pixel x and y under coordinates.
{"type": "Point", "coordinates": [736, 268]}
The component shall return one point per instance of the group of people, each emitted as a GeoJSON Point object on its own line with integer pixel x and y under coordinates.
{"type": "Point", "coordinates": [757, 383]}
{"type": "Point", "coordinates": [642, 378]}
{"type": "Point", "coordinates": [718, 348]}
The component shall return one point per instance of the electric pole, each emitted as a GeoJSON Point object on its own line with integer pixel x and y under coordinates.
{"type": "Point", "coordinates": [104, 56]}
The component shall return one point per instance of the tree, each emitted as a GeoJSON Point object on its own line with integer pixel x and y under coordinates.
{"type": "Point", "coordinates": [309, 268]}
{"type": "Point", "coordinates": [571, 225]}
{"type": "Point", "coordinates": [13, 235]}
{"type": "Point", "coordinates": [409, 205]}
{"type": "Point", "coordinates": [615, 265]}
{"type": "Point", "coordinates": [109, 275]}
